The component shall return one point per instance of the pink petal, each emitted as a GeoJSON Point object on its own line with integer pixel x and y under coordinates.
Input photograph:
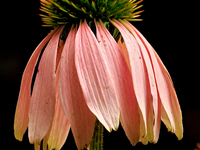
{"type": "Point", "coordinates": [59, 129]}
{"type": "Point", "coordinates": [95, 79]}
{"type": "Point", "coordinates": [42, 104]}
{"type": "Point", "coordinates": [122, 79]}
{"type": "Point", "coordinates": [153, 86]}
{"type": "Point", "coordinates": [139, 74]}
{"type": "Point", "coordinates": [56, 136]}
{"type": "Point", "coordinates": [82, 120]}
{"type": "Point", "coordinates": [171, 112]}
{"type": "Point", "coordinates": [21, 114]}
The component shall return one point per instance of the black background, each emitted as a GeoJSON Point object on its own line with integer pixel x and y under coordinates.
{"type": "Point", "coordinates": [170, 27]}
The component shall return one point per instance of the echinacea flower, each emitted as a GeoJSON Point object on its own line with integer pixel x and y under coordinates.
{"type": "Point", "coordinates": [95, 66]}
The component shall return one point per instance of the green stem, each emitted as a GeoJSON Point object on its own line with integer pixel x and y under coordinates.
{"type": "Point", "coordinates": [97, 139]}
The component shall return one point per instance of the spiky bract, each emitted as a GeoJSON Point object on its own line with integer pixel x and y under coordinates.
{"type": "Point", "coordinates": [60, 12]}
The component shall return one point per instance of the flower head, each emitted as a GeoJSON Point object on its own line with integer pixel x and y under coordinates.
{"type": "Point", "coordinates": [62, 12]}
{"type": "Point", "coordinates": [96, 65]}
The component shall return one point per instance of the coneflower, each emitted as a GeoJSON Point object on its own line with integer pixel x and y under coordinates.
{"type": "Point", "coordinates": [96, 70]}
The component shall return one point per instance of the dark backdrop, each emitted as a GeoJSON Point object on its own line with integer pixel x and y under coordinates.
{"type": "Point", "coordinates": [170, 27]}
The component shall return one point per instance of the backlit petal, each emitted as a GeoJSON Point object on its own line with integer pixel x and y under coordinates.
{"type": "Point", "coordinates": [42, 104]}
{"type": "Point", "coordinates": [82, 120]}
{"type": "Point", "coordinates": [95, 79]}
{"type": "Point", "coordinates": [153, 86]}
{"type": "Point", "coordinates": [171, 112]}
{"type": "Point", "coordinates": [21, 114]}
{"type": "Point", "coordinates": [122, 79]}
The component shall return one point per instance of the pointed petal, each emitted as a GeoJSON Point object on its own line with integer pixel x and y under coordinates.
{"type": "Point", "coordinates": [59, 129]}
{"type": "Point", "coordinates": [95, 79]}
{"type": "Point", "coordinates": [153, 86]}
{"type": "Point", "coordinates": [21, 114]}
{"type": "Point", "coordinates": [82, 120]}
{"type": "Point", "coordinates": [171, 112]}
{"type": "Point", "coordinates": [42, 102]}
{"type": "Point", "coordinates": [122, 79]}
{"type": "Point", "coordinates": [139, 73]}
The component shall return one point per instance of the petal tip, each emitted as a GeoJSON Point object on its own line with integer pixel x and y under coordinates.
{"type": "Point", "coordinates": [18, 136]}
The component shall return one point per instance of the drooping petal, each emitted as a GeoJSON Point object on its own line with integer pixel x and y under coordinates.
{"type": "Point", "coordinates": [42, 104]}
{"type": "Point", "coordinates": [21, 114]}
{"type": "Point", "coordinates": [81, 119]}
{"type": "Point", "coordinates": [56, 136]}
{"type": "Point", "coordinates": [143, 137]}
{"type": "Point", "coordinates": [95, 79]}
{"type": "Point", "coordinates": [59, 129]}
{"type": "Point", "coordinates": [171, 113]}
{"type": "Point", "coordinates": [153, 85]}
{"type": "Point", "coordinates": [139, 74]}
{"type": "Point", "coordinates": [122, 79]}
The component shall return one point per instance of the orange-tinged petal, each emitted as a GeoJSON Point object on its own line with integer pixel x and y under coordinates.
{"type": "Point", "coordinates": [122, 79]}
{"type": "Point", "coordinates": [170, 113]}
{"type": "Point", "coordinates": [59, 129]}
{"type": "Point", "coordinates": [153, 124]}
{"type": "Point", "coordinates": [95, 79]}
{"type": "Point", "coordinates": [124, 51]}
{"type": "Point", "coordinates": [21, 114]}
{"type": "Point", "coordinates": [42, 104]}
{"type": "Point", "coordinates": [81, 119]}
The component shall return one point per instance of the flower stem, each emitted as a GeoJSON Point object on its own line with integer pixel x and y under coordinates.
{"type": "Point", "coordinates": [97, 139]}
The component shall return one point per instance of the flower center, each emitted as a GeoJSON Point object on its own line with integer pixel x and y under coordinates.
{"type": "Point", "coordinates": [60, 12]}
